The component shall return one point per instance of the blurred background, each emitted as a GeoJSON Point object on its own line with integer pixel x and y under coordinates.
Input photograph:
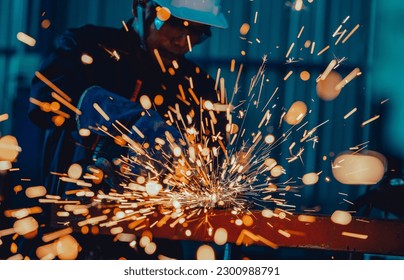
{"type": "Point", "coordinates": [293, 35]}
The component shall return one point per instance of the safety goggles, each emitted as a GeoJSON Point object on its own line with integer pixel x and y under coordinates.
{"type": "Point", "coordinates": [199, 31]}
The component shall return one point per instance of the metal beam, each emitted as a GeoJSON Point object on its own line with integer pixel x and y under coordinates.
{"type": "Point", "coordinates": [361, 235]}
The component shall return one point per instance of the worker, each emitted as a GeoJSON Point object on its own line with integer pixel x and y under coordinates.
{"type": "Point", "coordinates": [120, 70]}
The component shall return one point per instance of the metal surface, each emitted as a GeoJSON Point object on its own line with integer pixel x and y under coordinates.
{"type": "Point", "coordinates": [294, 231]}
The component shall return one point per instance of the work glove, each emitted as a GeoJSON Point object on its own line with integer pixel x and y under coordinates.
{"type": "Point", "coordinates": [148, 139]}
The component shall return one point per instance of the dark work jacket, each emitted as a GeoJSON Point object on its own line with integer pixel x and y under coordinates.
{"type": "Point", "coordinates": [131, 73]}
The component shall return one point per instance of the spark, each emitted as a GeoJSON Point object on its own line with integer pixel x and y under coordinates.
{"type": "Point", "coordinates": [303, 125]}
{"type": "Point", "coordinates": [193, 94]}
{"type": "Point", "coordinates": [312, 47]}
{"type": "Point", "coordinates": [298, 5]}
{"type": "Point", "coordinates": [122, 126]}
{"type": "Point", "coordinates": [267, 242]}
{"type": "Point", "coordinates": [222, 91]}
{"type": "Point", "coordinates": [350, 113]}
{"type": "Point", "coordinates": [327, 71]}
{"type": "Point", "coordinates": [217, 78]}
{"type": "Point", "coordinates": [66, 103]}
{"type": "Point", "coordinates": [356, 148]}
{"type": "Point", "coordinates": [45, 80]}
{"type": "Point", "coordinates": [354, 235]}
{"type": "Point", "coordinates": [297, 156]}
{"type": "Point", "coordinates": [86, 59]}
{"type": "Point", "coordinates": [56, 201]}
{"type": "Point", "coordinates": [339, 61]}
{"type": "Point", "coordinates": [290, 49]}
{"type": "Point", "coordinates": [101, 112]}
{"type": "Point", "coordinates": [93, 220]}
{"type": "Point", "coordinates": [354, 73]}
{"type": "Point", "coordinates": [5, 232]}
{"type": "Point", "coordinates": [232, 65]}
{"type": "Point", "coordinates": [256, 17]}
{"type": "Point", "coordinates": [189, 43]}
{"type": "Point", "coordinates": [284, 233]}
{"type": "Point", "coordinates": [337, 31]}
{"type": "Point", "coordinates": [351, 33]}
{"type": "Point", "coordinates": [384, 101]}
{"type": "Point", "coordinates": [364, 144]}
{"type": "Point", "coordinates": [300, 32]}
{"type": "Point", "coordinates": [57, 234]}
{"type": "Point", "coordinates": [125, 26]}
{"type": "Point", "coordinates": [26, 39]}
{"type": "Point", "coordinates": [341, 35]}
{"type": "Point", "coordinates": [3, 117]}
{"type": "Point", "coordinates": [181, 89]}
{"type": "Point", "coordinates": [293, 60]}
{"type": "Point", "coordinates": [246, 233]}
{"type": "Point", "coordinates": [138, 132]}
{"type": "Point", "coordinates": [370, 120]}
{"type": "Point", "coordinates": [288, 75]}
{"type": "Point", "coordinates": [26, 179]}
{"type": "Point", "coordinates": [44, 105]}
{"type": "Point", "coordinates": [159, 60]}
{"type": "Point", "coordinates": [265, 118]}
{"type": "Point", "coordinates": [347, 201]}
{"type": "Point", "coordinates": [323, 50]}
{"type": "Point", "coordinates": [272, 96]}
{"type": "Point", "coordinates": [113, 53]}
{"type": "Point", "coordinates": [260, 91]}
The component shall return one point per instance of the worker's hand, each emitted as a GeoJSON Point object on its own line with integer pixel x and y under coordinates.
{"type": "Point", "coordinates": [106, 157]}
{"type": "Point", "coordinates": [147, 140]}
{"type": "Point", "coordinates": [100, 109]}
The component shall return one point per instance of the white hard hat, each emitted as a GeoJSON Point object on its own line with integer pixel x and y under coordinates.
{"type": "Point", "coordinates": [200, 11]}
